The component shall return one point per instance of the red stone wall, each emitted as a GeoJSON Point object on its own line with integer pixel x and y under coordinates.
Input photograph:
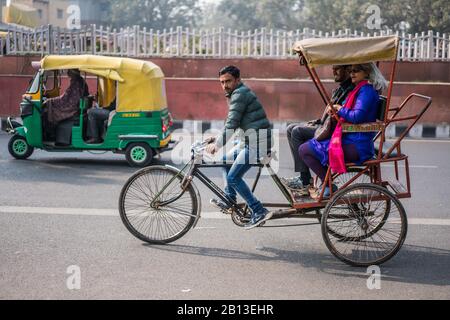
{"type": "Point", "coordinates": [194, 92]}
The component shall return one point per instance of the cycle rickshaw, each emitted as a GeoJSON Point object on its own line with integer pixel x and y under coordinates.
{"type": "Point", "coordinates": [363, 223]}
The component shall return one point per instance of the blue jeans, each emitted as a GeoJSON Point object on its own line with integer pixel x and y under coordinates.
{"type": "Point", "coordinates": [234, 182]}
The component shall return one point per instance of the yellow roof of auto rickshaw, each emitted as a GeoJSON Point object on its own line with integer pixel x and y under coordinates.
{"type": "Point", "coordinates": [341, 51]}
{"type": "Point", "coordinates": [108, 67]}
{"type": "Point", "coordinates": [141, 83]}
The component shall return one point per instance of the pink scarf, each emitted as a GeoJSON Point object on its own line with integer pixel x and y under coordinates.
{"type": "Point", "coordinates": [335, 152]}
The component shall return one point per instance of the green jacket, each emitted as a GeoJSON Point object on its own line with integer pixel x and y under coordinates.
{"type": "Point", "coordinates": [245, 112]}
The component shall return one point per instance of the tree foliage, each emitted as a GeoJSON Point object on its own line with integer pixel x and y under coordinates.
{"type": "Point", "coordinates": [325, 15]}
{"type": "Point", "coordinates": [156, 14]}
{"type": "Point", "coordinates": [328, 15]}
{"type": "Point", "coordinates": [254, 14]}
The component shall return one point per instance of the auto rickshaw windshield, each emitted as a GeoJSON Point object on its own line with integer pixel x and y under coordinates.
{"type": "Point", "coordinates": [34, 84]}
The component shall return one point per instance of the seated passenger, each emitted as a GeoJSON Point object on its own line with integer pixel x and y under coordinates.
{"type": "Point", "coordinates": [96, 120]}
{"type": "Point", "coordinates": [67, 105]}
{"type": "Point", "coordinates": [360, 107]}
{"type": "Point", "coordinates": [299, 133]}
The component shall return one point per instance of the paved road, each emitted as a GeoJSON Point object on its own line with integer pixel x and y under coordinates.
{"type": "Point", "coordinates": [60, 210]}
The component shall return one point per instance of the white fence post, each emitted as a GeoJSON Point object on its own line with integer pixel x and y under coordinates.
{"type": "Point", "coordinates": [235, 43]}
{"type": "Point", "coordinates": [263, 42]}
{"type": "Point", "coordinates": [194, 43]}
{"type": "Point", "coordinates": [429, 44]}
{"type": "Point", "coordinates": [221, 42]}
{"type": "Point", "coordinates": [93, 39]}
{"type": "Point", "coordinates": [448, 43]}
{"type": "Point", "coordinates": [438, 42]}
{"type": "Point", "coordinates": [8, 41]}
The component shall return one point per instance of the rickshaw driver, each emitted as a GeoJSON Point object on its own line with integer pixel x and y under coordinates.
{"type": "Point", "coordinates": [298, 134]}
{"type": "Point", "coordinates": [247, 114]}
{"type": "Point", "coordinates": [65, 106]}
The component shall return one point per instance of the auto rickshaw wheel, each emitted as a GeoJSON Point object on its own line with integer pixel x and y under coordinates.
{"type": "Point", "coordinates": [139, 154]}
{"type": "Point", "coordinates": [19, 148]}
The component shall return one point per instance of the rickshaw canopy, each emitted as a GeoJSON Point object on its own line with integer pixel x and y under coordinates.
{"type": "Point", "coordinates": [140, 83]}
{"type": "Point", "coordinates": [345, 51]}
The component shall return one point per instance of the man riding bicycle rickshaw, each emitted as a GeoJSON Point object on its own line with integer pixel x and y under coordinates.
{"type": "Point", "coordinates": [362, 220]}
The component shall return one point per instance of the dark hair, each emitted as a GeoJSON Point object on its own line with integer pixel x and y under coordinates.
{"type": "Point", "coordinates": [74, 72]}
{"type": "Point", "coordinates": [341, 66]}
{"type": "Point", "coordinates": [235, 72]}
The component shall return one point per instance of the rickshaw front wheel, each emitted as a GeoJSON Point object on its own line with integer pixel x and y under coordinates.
{"type": "Point", "coordinates": [19, 148]}
{"type": "Point", "coordinates": [139, 154]}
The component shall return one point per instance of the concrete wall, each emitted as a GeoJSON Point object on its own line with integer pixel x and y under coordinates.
{"type": "Point", "coordinates": [194, 92]}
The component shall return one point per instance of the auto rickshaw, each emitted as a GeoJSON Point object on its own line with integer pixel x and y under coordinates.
{"type": "Point", "coordinates": [140, 127]}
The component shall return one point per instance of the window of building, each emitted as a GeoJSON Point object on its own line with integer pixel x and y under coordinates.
{"type": "Point", "coordinates": [60, 14]}
{"type": "Point", "coordinates": [40, 13]}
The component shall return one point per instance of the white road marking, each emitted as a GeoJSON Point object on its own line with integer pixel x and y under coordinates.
{"type": "Point", "coordinates": [61, 211]}
{"type": "Point", "coordinates": [429, 222]}
{"type": "Point", "coordinates": [205, 215]}
{"type": "Point", "coordinates": [87, 212]}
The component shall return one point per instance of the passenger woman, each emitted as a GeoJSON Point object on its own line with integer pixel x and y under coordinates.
{"type": "Point", "coordinates": [361, 106]}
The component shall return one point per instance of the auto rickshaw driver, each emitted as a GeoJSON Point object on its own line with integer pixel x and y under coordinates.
{"type": "Point", "coordinates": [65, 106]}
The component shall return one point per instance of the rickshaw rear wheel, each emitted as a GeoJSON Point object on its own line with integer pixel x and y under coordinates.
{"type": "Point", "coordinates": [19, 148]}
{"type": "Point", "coordinates": [369, 235]}
{"type": "Point", "coordinates": [139, 154]}
{"type": "Point", "coordinates": [145, 218]}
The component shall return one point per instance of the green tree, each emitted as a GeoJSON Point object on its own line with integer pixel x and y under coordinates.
{"type": "Point", "coordinates": [255, 14]}
{"type": "Point", "coordinates": [409, 15]}
{"type": "Point", "coordinates": [332, 15]}
{"type": "Point", "coordinates": [156, 14]}
{"type": "Point", "coordinates": [419, 15]}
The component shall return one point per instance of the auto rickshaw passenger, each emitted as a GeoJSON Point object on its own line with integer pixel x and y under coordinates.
{"type": "Point", "coordinates": [67, 105]}
{"type": "Point", "coordinates": [360, 107]}
{"type": "Point", "coordinates": [299, 133]}
{"type": "Point", "coordinates": [96, 121]}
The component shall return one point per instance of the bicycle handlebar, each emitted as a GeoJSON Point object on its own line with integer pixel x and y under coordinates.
{"type": "Point", "coordinates": [200, 146]}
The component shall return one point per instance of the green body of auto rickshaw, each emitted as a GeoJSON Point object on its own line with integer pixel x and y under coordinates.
{"type": "Point", "coordinates": [140, 127]}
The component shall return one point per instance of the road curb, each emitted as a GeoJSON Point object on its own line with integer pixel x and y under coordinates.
{"type": "Point", "coordinates": [420, 131]}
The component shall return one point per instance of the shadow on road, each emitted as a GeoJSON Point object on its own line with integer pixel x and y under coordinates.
{"type": "Point", "coordinates": [429, 266]}
{"type": "Point", "coordinates": [75, 171]}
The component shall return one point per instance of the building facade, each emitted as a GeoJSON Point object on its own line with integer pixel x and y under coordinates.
{"type": "Point", "coordinates": [65, 13]}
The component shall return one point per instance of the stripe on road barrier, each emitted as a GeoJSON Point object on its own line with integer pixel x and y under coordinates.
{"type": "Point", "coordinates": [206, 215]}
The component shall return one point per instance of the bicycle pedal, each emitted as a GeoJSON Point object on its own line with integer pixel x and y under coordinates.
{"type": "Point", "coordinates": [226, 211]}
